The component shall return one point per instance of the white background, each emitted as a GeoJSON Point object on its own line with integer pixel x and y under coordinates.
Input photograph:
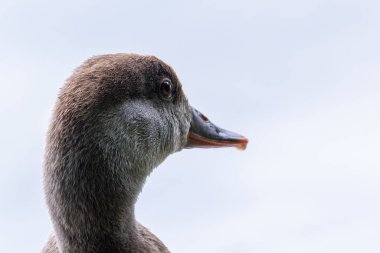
{"type": "Point", "coordinates": [301, 79]}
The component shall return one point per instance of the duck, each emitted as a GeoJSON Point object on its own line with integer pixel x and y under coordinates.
{"type": "Point", "coordinates": [116, 118]}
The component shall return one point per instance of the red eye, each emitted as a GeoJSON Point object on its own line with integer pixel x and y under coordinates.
{"type": "Point", "coordinates": [166, 88]}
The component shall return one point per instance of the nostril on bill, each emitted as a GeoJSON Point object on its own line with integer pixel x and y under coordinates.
{"type": "Point", "coordinates": [204, 117]}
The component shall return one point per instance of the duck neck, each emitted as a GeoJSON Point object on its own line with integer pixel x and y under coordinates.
{"type": "Point", "coordinates": [92, 204]}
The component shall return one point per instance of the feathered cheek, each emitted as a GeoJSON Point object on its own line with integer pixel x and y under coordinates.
{"type": "Point", "coordinates": [183, 133]}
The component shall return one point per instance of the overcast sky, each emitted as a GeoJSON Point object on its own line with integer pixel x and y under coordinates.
{"type": "Point", "coordinates": [301, 79]}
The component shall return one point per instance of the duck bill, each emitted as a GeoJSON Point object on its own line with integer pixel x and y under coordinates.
{"type": "Point", "coordinates": [204, 134]}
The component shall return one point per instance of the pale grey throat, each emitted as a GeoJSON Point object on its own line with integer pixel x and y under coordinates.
{"type": "Point", "coordinates": [115, 120]}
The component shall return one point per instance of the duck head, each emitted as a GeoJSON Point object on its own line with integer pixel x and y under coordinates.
{"type": "Point", "coordinates": [115, 120]}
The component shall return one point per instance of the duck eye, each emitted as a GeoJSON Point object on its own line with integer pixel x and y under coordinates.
{"type": "Point", "coordinates": [166, 88]}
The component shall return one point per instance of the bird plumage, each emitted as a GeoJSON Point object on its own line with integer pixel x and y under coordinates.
{"type": "Point", "coordinates": [115, 119]}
